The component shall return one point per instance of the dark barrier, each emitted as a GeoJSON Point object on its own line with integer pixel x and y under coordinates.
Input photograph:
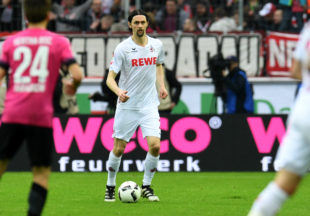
{"type": "Point", "coordinates": [189, 143]}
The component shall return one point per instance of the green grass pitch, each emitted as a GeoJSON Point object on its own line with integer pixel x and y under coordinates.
{"type": "Point", "coordinates": [188, 194]}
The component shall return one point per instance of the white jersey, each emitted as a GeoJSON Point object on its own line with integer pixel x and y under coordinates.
{"type": "Point", "coordinates": [302, 54]}
{"type": "Point", "coordinates": [137, 65]}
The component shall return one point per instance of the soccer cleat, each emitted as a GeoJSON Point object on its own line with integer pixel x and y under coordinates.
{"type": "Point", "coordinates": [109, 194]}
{"type": "Point", "coordinates": [148, 192]}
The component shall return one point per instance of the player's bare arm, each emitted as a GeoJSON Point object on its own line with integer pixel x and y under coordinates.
{"type": "Point", "coordinates": [111, 83]}
{"type": "Point", "coordinates": [2, 73]}
{"type": "Point", "coordinates": [160, 79]}
{"type": "Point", "coordinates": [71, 85]}
{"type": "Point", "coordinates": [296, 69]}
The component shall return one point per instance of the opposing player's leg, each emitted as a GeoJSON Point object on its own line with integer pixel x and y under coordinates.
{"type": "Point", "coordinates": [114, 162]}
{"type": "Point", "coordinates": [293, 159]}
{"type": "Point", "coordinates": [11, 137]}
{"type": "Point", "coordinates": [39, 188]}
{"type": "Point", "coordinates": [40, 144]}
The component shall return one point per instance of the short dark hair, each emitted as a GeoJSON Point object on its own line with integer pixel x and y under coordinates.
{"type": "Point", "coordinates": [36, 10]}
{"type": "Point", "coordinates": [138, 12]}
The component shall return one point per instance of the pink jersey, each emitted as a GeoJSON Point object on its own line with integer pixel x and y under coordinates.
{"type": "Point", "coordinates": [33, 58]}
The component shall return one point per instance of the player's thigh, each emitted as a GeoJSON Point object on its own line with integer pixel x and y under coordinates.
{"type": "Point", "coordinates": [40, 145]}
{"type": "Point", "coordinates": [294, 153]}
{"type": "Point", "coordinates": [12, 137]}
{"type": "Point", "coordinates": [150, 123]}
{"type": "Point", "coordinates": [125, 124]}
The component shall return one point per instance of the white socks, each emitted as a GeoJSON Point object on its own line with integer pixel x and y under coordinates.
{"type": "Point", "coordinates": [269, 201]}
{"type": "Point", "coordinates": [150, 168]}
{"type": "Point", "coordinates": [112, 168]}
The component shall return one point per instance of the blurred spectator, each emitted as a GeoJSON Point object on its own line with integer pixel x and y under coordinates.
{"type": "Point", "coordinates": [94, 15]}
{"type": "Point", "coordinates": [106, 6]}
{"type": "Point", "coordinates": [292, 12]}
{"type": "Point", "coordinates": [251, 9]}
{"type": "Point", "coordinates": [277, 20]}
{"type": "Point", "coordinates": [10, 15]}
{"type": "Point", "coordinates": [202, 16]}
{"type": "Point", "coordinates": [121, 26]}
{"type": "Point", "coordinates": [226, 5]}
{"type": "Point", "coordinates": [189, 25]}
{"type": "Point", "coordinates": [106, 23]}
{"type": "Point", "coordinates": [266, 14]}
{"type": "Point", "coordinates": [70, 18]}
{"type": "Point", "coordinates": [170, 18]}
{"type": "Point", "coordinates": [116, 10]}
{"type": "Point", "coordinates": [185, 5]}
{"type": "Point", "coordinates": [222, 23]}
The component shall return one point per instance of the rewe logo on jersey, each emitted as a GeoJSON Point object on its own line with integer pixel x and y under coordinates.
{"type": "Point", "coordinates": [143, 61]}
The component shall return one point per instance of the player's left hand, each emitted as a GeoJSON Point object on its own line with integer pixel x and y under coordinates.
{"type": "Point", "coordinates": [163, 93]}
{"type": "Point", "coordinates": [68, 87]}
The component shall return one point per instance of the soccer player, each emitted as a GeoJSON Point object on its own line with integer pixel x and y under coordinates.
{"type": "Point", "coordinates": [31, 60]}
{"type": "Point", "coordinates": [293, 157]}
{"type": "Point", "coordinates": [140, 59]}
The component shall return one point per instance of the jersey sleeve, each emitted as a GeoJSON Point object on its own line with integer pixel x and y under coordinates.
{"type": "Point", "coordinates": [117, 60]}
{"type": "Point", "coordinates": [4, 58]}
{"type": "Point", "coordinates": [301, 47]}
{"type": "Point", "coordinates": [161, 56]}
{"type": "Point", "coordinates": [67, 57]}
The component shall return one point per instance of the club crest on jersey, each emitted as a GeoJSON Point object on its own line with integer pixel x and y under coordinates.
{"type": "Point", "coordinates": [152, 49]}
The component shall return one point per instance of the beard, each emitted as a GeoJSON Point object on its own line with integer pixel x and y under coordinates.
{"type": "Point", "coordinates": [140, 33]}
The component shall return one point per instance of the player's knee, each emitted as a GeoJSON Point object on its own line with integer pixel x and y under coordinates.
{"type": "Point", "coordinates": [154, 149]}
{"type": "Point", "coordinates": [118, 150]}
{"type": "Point", "coordinates": [41, 175]}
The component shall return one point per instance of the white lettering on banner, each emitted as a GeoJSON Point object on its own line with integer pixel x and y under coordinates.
{"type": "Point", "coordinates": [229, 45]}
{"type": "Point", "coordinates": [207, 47]}
{"type": "Point", "coordinates": [62, 163]}
{"type": "Point", "coordinates": [192, 165]}
{"type": "Point", "coordinates": [266, 160]}
{"type": "Point", "coordinates": [177, 164]}
{"type": "Point", "coordinates": [163, 166]}
{"type": "Point", "coordinates": [170, 51]}
{"type": "Point", "coordinates": [94, 54]}
{"type": "Point", "coordinates": [78, 48]}
{"type": "Point", "coordinates": [78, 166]}
{"type": "Point", "coordinates": [140, 165]}
{"type": "Point", "coordinates": [249, 54]}
{"type": "Point", "coordinates": [290, 46]}
{"type": "Point", "coordinates": [128, 165]}
{"type": "Point", "coordinates": [280, 52]}
{"type": "Point", "coordinates": [95, 57]}
{"type": "Point", "coordinates": [186, 64]}
{"type": "Point", "coordinates": [276, 53]}
{"type": "Point", "coordinates": [95, 167]}
{"type": "Point", "coordinates": [111, 45]}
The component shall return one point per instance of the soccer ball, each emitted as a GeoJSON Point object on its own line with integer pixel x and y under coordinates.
{"type": "Point", "coordinates": [129, 192]}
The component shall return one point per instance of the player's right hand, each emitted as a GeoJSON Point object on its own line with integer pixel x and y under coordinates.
{"type": "Point", "coordinates": [123, 97]}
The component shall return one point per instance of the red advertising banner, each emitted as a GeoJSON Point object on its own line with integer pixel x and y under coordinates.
{"type": "Point", "coordinates": [280, 49]}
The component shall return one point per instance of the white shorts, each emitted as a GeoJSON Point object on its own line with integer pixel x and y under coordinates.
{"type": "Point", "coordinates": [294, 153]}
{"type": "Point", "coordinates": [127, 121]}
